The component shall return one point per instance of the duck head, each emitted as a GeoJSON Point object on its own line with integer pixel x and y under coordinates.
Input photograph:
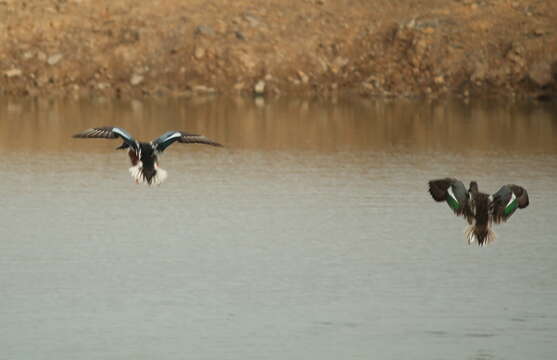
{"type": "Point", "coordinates": [473, 187]}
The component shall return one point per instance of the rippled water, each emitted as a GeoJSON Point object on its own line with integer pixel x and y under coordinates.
{"type": "Point", "coordinates": [310, 236]}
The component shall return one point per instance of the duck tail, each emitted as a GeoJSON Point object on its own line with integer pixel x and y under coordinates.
{"type": "Point", "coordinates": [159, 177]}
{"type": "Point", "coordinates": [483, 235]}
{"type": "Point", "coordinates": [142, 175]}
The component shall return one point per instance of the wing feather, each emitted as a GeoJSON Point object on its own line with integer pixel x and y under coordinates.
{"type": "Point", "coordinates": [454, 193]}
{"type": "Point", "coordinates": [506, 201]}
{"type": "Point", "coordinates": [168, 138]}
{"type": "Point", "coordinates": [109, 132]}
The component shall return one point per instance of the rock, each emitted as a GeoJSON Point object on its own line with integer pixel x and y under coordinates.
{"type": "Point", "coordinates": [240, 35]}
{"type": "Point", "coordinates": [54, 59]}
{"type": "Point", "coordinates": [136, 79]}
{"type": "Point", "coordinates": [480, 72]}
{"type": "Point", "coordinates": [204, 30]}
{"type": "Point", "coordinates": [252, 20]}
{"type": "Point", "coordinates": [27, 55]}
{"type": "Point", "coordinates": [303, 77]}
{"type": "Point", "coordinates": [540, 73]}
{"type": "Point", "coordinates": [259, 88]}
{"type": "Point", "coordinates": [199, 53]}
{"type": "Point", "coordinates": [439, 80]}
{"type": "Point", "coordinates": [202, 89]}
{"type": "Point", "coordinates": [13, 73]}
{"type": "Point", "coordinates": [102, 86]}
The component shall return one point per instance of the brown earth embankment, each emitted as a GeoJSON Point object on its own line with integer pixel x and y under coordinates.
{"type": "Point", "coordinates": [369, 47]}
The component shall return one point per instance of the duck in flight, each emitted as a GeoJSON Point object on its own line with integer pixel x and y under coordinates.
{"type": "Point", "coordinates": [479, 209]}
{"type": "Point", "coordinates": [144, 155]}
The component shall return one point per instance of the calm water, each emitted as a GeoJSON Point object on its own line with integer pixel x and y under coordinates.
{"type": "Point", "coordinates": [310, 236]}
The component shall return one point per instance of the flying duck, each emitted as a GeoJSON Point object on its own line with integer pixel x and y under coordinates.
{"type": "Point", "coordinates": [479, 209]}
{"type": "Point", "coordinates": [144, 156]}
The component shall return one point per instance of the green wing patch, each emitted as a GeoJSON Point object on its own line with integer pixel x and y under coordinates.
{"type": "Point", "coordinates": [452, 201]}
{"type": "Point", "coordinates": [511, 205]}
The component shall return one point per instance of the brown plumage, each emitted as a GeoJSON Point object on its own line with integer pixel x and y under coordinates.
{"type": "Point", "coordinates": [480, 209]}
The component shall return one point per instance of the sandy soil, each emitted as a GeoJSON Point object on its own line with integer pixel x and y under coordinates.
{"type": "Point", "coordinates": [323, 47]}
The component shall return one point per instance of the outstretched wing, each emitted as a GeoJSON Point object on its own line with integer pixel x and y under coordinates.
{"type": "Point", "coordinates": [166, 139]}
{"type": "Point", "coordinates": [505, 202]}
{"type": "Point", "coordinates": [110, 132]}
{"type": "Point", "coordinates": [454, 193]}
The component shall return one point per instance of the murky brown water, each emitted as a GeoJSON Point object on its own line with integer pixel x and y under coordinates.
{"type": "Point", "coordinates": [311, 236]}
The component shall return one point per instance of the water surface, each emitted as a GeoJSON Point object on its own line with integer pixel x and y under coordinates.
{"type": "Point", "coordinates": [310, 236]}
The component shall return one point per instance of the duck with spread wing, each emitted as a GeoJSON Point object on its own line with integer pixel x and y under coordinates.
{"type": "Point", "coordinates": [144, 156]}
{"type": "Point", "coordinates": [479, 209]}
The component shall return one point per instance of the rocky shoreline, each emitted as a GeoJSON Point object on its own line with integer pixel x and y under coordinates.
{"type": "Point", "coordinates": [125, 48]}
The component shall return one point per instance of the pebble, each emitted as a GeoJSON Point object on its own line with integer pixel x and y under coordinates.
{"type": "Point", "coordinates": [259, 88]}
{"type": "Point", "coordinates": [204, 30]}
{"type": "Point", "coordinates": [54, 59]}
{"type": "Point", "coordinates": [136, 79]}
{"type": "Point", "coordinates": [540, 73]}
{"type": "Point", "coordinates": [240, 35]}
{"type": "Point", "coordinates": [251, 20]}
{"type": "Point", "coordinates": [199, 53]}
{"type": "Point", "coordinates": [303, 77]}
{"type": "Point", "coordinates": [202, 89]}
{"type": "Point", "coordinates": [13, 73]}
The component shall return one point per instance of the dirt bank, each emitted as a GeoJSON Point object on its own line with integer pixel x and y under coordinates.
{"type": "Point", "coordinates": [372, 47]}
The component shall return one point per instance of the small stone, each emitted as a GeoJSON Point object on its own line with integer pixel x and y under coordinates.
{"type": "Point", "coordinates": [103, 85]}
{"type": "Point", "coordinates": [439, 80]}
{"type": "Point", "coordinates": [251, 20]}
{"type": "Point", "coordinates": [199, 53]}
{"type": "Point", "coordinates": [13, 73]}
{"type": "Point", "coordinates": [303, 77]}
{"type": "Point", "coordinates": [540, 73]}
{"type": "Point", "coordinates": [136, 79]}
{"type": "Point", "coordinates": [259, 88]}
{"type": "Point", "coordinates": [54, 59]}
{"type": "Point", "coordinates": [27, 55]}
{"type": "Point", "coordinates": [240, 35]}
{"type": "Point", "coordinates": [480, 71]}
{"type": "Point", "coordinates": [204, 30]}
{"type": "Point", "coordinates": [202, 89]}
{"type": "Point", "coordinates": [538, 32]}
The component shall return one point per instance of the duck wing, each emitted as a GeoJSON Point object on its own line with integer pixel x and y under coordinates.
{"type": "Point", "coordinates": [110, 132]}
{"type": "Point", "coordinates": [168, 138]}
{"type": "Point", "coordinates": [453, 192]}
{"type": "Point", "coordinates": [506, 200]}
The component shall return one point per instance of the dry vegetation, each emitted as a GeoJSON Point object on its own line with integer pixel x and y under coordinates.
{"type": "Point", "coordinates": [371, 47]}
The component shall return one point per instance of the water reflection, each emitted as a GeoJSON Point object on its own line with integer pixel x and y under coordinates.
{"type": "Point", "coordinates": [291, 124]}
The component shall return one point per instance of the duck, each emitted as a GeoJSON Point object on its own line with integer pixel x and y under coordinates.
{"type": "Point", "coordinates": [144, 156]}
{"type": "Point", "coordinates": [481, 210]}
